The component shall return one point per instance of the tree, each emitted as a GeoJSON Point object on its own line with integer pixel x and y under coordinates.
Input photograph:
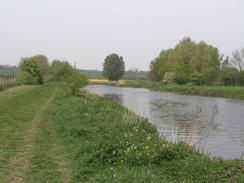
{"type": "Point", "coordinates": [183, 52]}
{"type": "Point", "coordinates": [160, 65]}
{"type": "Point", "coordinates": [44, 64]}
{"type": "Point", "coordinates": [58, 69]}
{"type": "Point", "coordinates": [201, 57]}
{"type": "Point", "coordinates": [72, 83]}
{"type": "Point", "coordinates": [132, 74]}
{"type": "Point", "coordinates": [230, 76]}
{"type": "Point", "coordinates": [211, 75]}
{"type": "Point", "coordinates": [113, 67]}
{"type": "Point", "coordinates": [31, 66]}
{"type": "Point", "coordinates": [154, 70]}
{"type": "Point", "coordinates": [237, 59]}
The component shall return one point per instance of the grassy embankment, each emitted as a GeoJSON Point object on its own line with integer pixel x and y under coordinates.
{"type": "Point", "coordinates": [48, 137]}
{"type": "Point", "coordinates": [236, 92]}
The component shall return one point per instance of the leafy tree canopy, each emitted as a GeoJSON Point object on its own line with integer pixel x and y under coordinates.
{"type": "Point", "coordinates": [58, 69]}
{"type": "Point", "coordinates": [113, 67]}
{"type": "Point", "coordinates": [187, 57]}
{"type": "Point", "coordinates": [32, 67]}
{"type": "Point", "coordinates": [44, 64]}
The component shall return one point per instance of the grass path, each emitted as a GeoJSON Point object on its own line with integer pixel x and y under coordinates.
{"type": "Point", "coordinates": [28, 145]}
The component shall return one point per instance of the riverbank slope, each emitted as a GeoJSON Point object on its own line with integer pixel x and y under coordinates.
{"type": "Point", "coordinates": [236, 92]}
{"type": "Point", "coordinates": [49, 137]}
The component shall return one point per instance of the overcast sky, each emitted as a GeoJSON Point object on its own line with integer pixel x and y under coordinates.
{"type": "Point", "coordinates": [86, 31]}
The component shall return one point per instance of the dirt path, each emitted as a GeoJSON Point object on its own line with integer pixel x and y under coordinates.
{"type": "Point", "coordinates": [28, 145]}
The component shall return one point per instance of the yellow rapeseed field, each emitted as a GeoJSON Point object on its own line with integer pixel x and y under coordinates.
{"type": "Point", "coordinates": [117, 83]}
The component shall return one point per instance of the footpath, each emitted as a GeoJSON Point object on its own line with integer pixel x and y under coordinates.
{"type": "Point", "coordinates": [28, 148]}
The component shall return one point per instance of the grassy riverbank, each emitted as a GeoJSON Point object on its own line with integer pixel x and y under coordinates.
{"type": "Point", "coordinates": [49, 137]}
{"type": "Point", "coordinates": [236, 92]}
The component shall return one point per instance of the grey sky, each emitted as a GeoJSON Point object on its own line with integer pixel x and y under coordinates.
{"type": "Point", "coordinates": [86, 31]}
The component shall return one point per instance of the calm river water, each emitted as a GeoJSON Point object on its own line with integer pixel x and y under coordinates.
{"type": "Point", "coordinates": [175, 111]}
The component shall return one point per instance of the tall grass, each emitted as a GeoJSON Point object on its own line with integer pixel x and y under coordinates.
{"type": "Point", "coordinates": [191, 138]}
{"type": "Point", "coordinates": [236, 92]}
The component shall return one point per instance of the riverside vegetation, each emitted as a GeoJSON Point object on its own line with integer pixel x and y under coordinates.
{"type": "Point", "coordinates": [50, 136]}
{"type": "Point", "coordinates": [236, 92]}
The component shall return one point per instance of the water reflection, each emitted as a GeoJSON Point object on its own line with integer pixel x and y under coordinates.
{"type": "Point", "coordinates": [116, 98]}
{"type": "Point", "coordinates": [172, 110]}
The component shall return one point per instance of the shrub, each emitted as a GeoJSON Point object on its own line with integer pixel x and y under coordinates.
{"type": "Point", "coordinates": [196, 78]}
{"type": "Point", "coordinates": [32, 67]}
{"type": "Point", "coordinates": [71, 83]}
{"type": "Point", "coordinates": [180, 78]}
{"type": "Point", "coordinates": [26, 78]}
{"type": "Point", "coordinates": [210, 75]}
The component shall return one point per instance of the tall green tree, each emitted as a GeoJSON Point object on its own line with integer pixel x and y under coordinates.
{"type": "Point", "coordinates": [201, 57]}
{"type": "Point", "coordinates": [113, 67]}
{"type": "Point", "coordinates": [44, 64]}
{"type": "Point", "coordinates": [183, 52]}
{"type": "Point", "coordinates": [58, 69]}
{"type": "Point", "coordinates": [160, 65]}
{"type": "Point", "coordinates": [30, 68]}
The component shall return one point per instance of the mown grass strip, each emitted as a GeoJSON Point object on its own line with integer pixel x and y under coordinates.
{"type": "Point", "coordinates": [27, 146]}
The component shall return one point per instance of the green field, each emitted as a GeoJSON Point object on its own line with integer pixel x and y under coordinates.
{"type": "Point", "coordinates": [47, 136]}
{"type": "Point", "coordinates": [9, 71]}
{"type": "Point", "coordinates": [91, 74]}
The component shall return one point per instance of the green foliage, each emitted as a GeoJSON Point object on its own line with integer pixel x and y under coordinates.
{"type": "Point", "coordinates": [230, 76]}
{"type": "Point", "coordinates": [31, 66]}
{"type": "Point", "coordinates": [72, 83]}
{"type": "Point", "coordinates": [113, 67]}
{"type": "Point", "coordinates": [156, 73]}
{"type": "Point", "coordinates": [44, 64]}
{"type": "Point", "coordinates": [196, 78]}
{"type": "Point", "coordinates": [200, 58]}
{"type": "Point", "coordinates": [187, 56]}
{"type": "Point", "coordinates": [58, 69]}
{"type": "Point", "coordinates": [211, 75]}
{"type": "Point", "coordinates": [218, 91]}
{"type": "Point", "coordinates": [181, 78]}
{"type": "Point", "coordinates": [241, 78]}
{"type": "Point", "coordinates": [27, 79]}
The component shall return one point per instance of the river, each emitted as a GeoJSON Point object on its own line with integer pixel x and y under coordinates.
{"type": "Point", "coordinates": [174, 113]}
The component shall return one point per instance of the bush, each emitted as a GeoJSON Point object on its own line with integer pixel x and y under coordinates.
{"type": "Point", "coordinates": [26, 78]}
{"type": "Point", "coordinates": [196, 78]}
{"type": "Point", "coordinates": [71, 83]}
{"type": "Point", "coordinates": [31, 66]}
{"type": "Point", "coordinates": [180, 78]}
{"type": "Point", "coordinates": [230, 76]}
{"type": "Point", "coordinates": [210, 75]}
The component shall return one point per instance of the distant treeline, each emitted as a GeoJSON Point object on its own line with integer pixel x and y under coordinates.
{"type": "Point", "coordinates": [91, 74]}
{"type": "Point", "coordinates": [131, 74]}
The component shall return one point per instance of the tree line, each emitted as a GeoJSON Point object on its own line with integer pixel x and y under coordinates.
{"type": "Point", "coordinates": [197, 63]}
{"type": "Point", "coordinates": [34, 69]}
